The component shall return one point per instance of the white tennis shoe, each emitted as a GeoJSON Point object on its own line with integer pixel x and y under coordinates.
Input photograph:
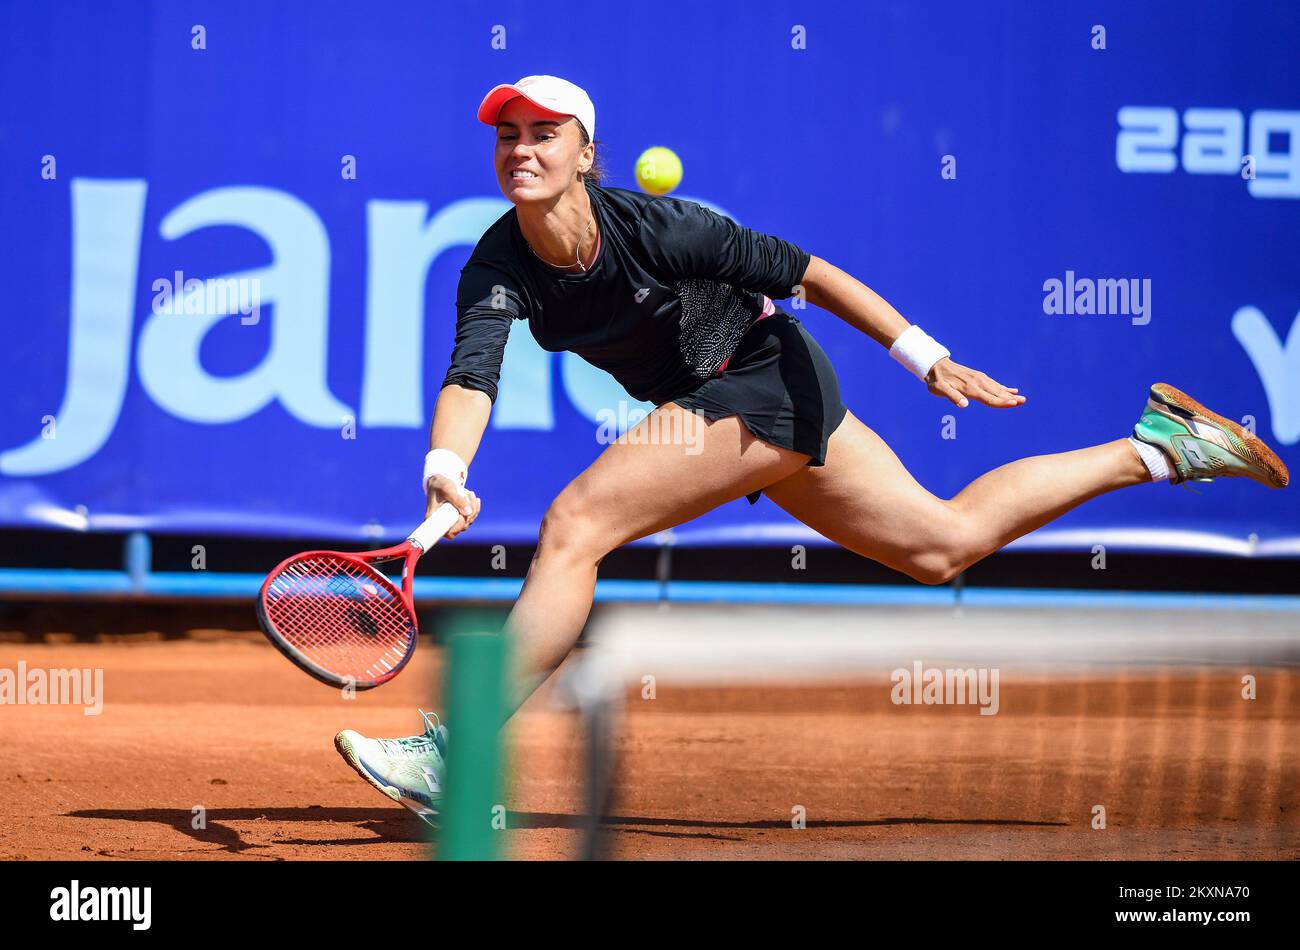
{"type": "Point", "coordinates": [411, 770]}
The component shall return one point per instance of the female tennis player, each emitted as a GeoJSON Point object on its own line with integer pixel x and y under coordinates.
{"type": "Point", "coordinates": [676, 303]}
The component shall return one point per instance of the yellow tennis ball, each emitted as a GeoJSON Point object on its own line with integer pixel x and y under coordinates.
{"type": "Point", "coordinates": [658, 170]}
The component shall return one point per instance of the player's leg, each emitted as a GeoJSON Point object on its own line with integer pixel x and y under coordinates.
{"type": "Point", "coordinates": [671, 467]}
{"type": "Point", "coordinates": [864, 499]}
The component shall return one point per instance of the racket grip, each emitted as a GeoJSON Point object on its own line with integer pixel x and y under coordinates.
{"type": "Point", "coordinates": [434, 527]}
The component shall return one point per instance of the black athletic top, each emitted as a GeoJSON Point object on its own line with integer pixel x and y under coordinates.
{"type": "Point", "coordinates": [673, 288]}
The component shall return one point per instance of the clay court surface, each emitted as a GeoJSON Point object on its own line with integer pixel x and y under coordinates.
{"type": "Point", "coordinates": [1184, 767]}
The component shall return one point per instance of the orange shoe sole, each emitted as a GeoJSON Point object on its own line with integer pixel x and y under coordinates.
{"type": "Point", "coordinates": [1249, 446]}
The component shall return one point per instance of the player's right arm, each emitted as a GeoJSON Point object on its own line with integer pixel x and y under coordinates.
{"type": "Point", "coordinates": [487, 303]}
{"type": "Point", "coordinates": [459, 420]}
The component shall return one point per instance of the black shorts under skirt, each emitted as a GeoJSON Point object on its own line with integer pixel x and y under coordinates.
{"type": "Point", "coordinates": [782, 385]}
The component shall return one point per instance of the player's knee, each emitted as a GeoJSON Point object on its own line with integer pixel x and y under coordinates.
{"type": "Point", "coordinates": [954, 546]}
{"type": "Point", "coordinates": [569, 530]}
{"type": "Point", "coordinates": [934, 567]}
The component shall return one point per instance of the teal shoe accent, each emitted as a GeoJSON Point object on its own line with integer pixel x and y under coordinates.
{"type": "Point", "coordinates": [1202, 445]}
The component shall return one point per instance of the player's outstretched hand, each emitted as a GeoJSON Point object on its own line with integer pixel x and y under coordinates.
{"type": "Point", "coordinates": [443, 489]}
{"type": "Point", "coordinates": [960, 384]}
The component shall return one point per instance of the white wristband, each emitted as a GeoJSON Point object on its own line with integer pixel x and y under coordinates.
{"type": "Point", "coordinates": [918, 351]}
{"type": "Point", "coordinates": [444, 462]}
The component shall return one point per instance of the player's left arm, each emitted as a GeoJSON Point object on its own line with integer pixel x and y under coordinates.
{"type": "Point", "coordinates": [830, 288]}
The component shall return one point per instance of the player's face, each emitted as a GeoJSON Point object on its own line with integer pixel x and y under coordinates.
{"type": "Point", "coordinates": [538, 153]}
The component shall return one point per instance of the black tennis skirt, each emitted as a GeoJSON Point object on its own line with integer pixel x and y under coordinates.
{"type": "Point", "coordinates": [782, 385]}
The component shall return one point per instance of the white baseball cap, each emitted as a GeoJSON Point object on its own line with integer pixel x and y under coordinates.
{"type": "Point", "coordinates": [550, 93]}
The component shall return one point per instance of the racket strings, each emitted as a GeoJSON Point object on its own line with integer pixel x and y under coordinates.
{"type": "Point", "coordinates": [340, 615]}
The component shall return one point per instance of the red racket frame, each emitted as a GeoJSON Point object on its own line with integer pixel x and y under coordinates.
{"type": "Point", "coordinates": [357, 564]}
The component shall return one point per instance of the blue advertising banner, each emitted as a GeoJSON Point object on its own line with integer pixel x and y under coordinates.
{"type": "Point", "coordinates": [233, 233]}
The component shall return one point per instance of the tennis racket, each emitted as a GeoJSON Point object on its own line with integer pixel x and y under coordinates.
{"type": "Point", "coordinates": [341, 619]}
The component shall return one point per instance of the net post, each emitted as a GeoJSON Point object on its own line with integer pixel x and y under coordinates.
{"type": "Point", "coordinates": [475, 688]}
